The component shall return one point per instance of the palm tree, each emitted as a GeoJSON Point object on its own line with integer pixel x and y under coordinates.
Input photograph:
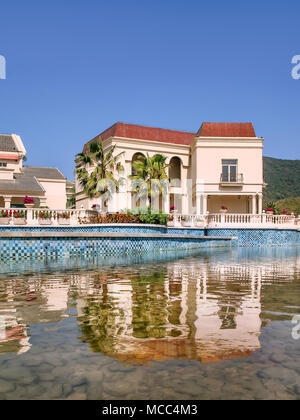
{"type": "Point", "coordinates": [150, 176]}
{"type": "Point", "coordinates": [96, 170]}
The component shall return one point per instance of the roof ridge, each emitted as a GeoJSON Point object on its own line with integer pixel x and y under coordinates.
{"type": "Point", "coordinates": [156, 128]}
{"type": "Point", "coordinates": [46, 167]}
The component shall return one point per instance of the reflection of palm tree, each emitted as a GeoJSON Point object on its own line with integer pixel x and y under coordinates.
{"type": "Point", "coordinates": [149, 301]}
{"type": "Point", "coordinates": [98, 323]}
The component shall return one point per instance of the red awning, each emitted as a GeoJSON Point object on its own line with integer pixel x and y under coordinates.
{"type": "Point", "coordinates": [10, 157]}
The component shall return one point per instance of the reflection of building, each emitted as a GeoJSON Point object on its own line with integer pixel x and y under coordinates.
{"type": "Point", "coordinates": [223, 162]}
{"type": "Point", "coordinates": [203, 308]}
{"type": "Point", "coordinates": [46, 185]}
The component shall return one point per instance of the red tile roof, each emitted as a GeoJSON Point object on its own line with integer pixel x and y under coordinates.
{"type": "Point", "coordinates": [141, 132]}
{"type": "Point", "coordinates": [226, 130]}
{"type": "Point", "coordinates": [132, 131]}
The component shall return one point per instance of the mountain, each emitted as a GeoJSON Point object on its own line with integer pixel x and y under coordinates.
{"type": "Point", "coordinates": [282, 177]}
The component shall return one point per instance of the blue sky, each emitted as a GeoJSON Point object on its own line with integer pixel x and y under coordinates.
{"type": "Point", "coordinates": [76, 67]}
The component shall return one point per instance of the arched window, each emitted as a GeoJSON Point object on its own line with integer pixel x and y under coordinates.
{"type": "Point", "coordinates": [136, 157]}
{"type": "Point", "coordinates": [175, 168]}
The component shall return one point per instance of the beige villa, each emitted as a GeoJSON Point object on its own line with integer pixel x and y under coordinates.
{"type": "Point", "coordinates": [46, 185]}
{"type": "Point", "coordinates": [219, 166]}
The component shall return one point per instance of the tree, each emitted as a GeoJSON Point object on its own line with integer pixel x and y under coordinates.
{"type": "Point", "coordinates": [71, 201]}
{"type": "Point", "coordinates": [150, 176]}
{"type": "Point", "coordinates": [96, 171]}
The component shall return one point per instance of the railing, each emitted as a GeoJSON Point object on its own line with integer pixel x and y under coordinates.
{"type": "Point", "coordinates": [232, 179]}
{"type": "Point", "coordinates": [235, 220]}
{"type": "Point", "coordinates": [41, 216]}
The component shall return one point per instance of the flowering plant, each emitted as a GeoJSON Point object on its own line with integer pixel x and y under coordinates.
{"type": "Point", "coordinates": [63, 215]}
{"type": "Point", "coordinates": [285, 212]}
{"type": "Point", "coordinates": [172, 208]}
{"type": "Point", "coordinates": [224, 208]}
{"type": "Point", "coordinates": [45, 215]}
{"type": "Point", "coordinates": [269, 209]}
{"type": "Point", "coordinates": [5, 213]}
{"type": "Point", "coordinates": [28, 200]}
{"type": "Point", "coordinates": [19, 214]}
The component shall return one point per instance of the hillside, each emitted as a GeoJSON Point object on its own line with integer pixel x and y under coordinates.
{"type": "Point", "coordinates": [282, 177]}
{"type": "Point", "coordinates": [289, 204]}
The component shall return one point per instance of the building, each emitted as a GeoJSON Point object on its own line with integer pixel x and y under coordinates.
{"type": "Point", "coordinates": [46, 185]}
{"type": "Point", "coordinates": [221, 165]}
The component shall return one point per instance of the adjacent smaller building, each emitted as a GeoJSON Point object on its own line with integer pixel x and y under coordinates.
{"type": "Point", "coordinates": [46, 185]}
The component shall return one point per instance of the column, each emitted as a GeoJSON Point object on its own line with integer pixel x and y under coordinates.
{"type": "Point", "coordinates": [166, 202]}
{"type": "Point", "coordinates": [7, 202]}
{"type": "Point", "coordinates": [204, 204]}
{"type": "Point", "coordinates": [260, 204]}
{"type": "Point", "coordinates": [43, 201]}
{"type": "Point", "coordinates": [198, 203]}
{"type": "Point", "coordinates": [254, 204]}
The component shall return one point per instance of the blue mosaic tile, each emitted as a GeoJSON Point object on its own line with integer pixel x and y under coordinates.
{"type": "Point", "coordinates": [12, 248]}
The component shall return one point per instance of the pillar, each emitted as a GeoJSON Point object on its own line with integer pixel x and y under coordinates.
{"type": "Point", "coordinates": [198, 204]}
{"type": "Point", "coordinates": [260, 204]}
{"type": "Point", "coordinates": [254, 204]}
{"type": "Point", "coordinates": [7, 202]}
{"type": "Point", "coordinates": [204, 204]}
{"type": "Point", "coordinates": [166, 202]}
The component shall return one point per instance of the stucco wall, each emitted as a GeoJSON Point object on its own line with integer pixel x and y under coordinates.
{"type": "Point", "coordinates": [55, 193]}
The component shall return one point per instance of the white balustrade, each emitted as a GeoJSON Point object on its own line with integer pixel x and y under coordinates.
{"type": "Point", "coordinates": [239, 220]}
{"type": "Point", "coordinates": [33, 217]}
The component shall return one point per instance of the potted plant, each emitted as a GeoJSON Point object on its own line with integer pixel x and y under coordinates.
{"type": "Point", "coordinates": [269, 210]}
{"type": "Point", "coordinates": [45, 217]}
{"type": "Point", "coordinates": [29, 202]}
{"type": "Point", "coordinates": [186, 221]}
{"type": "Point", "coordinates": [173, 210]}
{"type": "Point", "coordinates": [171, 222]}
{"type": "Point", "coordinates": [63, 218]}
{"type": "Point", "coordinates": [5, 217]}
{"type": "Point", "coordinates": [19, 217]}
{"type": "Point", "coordinates": [285, 213]}
{"type": "Point", "coordinates": [223, 209]}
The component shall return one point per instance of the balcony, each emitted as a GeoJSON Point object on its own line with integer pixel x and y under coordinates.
{"type": "Point", "coordinates": [231, 180]}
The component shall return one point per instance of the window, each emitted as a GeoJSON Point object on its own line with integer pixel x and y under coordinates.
{"type": "Point", "coordinates": [3, 164]}
{"type": "Point", "coordinates": [229, 170]}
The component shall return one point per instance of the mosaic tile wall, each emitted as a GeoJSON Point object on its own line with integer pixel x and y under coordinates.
{"type": "Point", "coordinates": [56, 247]}
{"type": "Point", "coordinates": [258, 237]}
{"type": "Point", "coordinates": [61, 247]}
{"type": "Point", "coordinates": [84, 228]}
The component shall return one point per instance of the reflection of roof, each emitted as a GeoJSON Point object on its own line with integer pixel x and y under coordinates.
{"type": "Point", "coordinates": [143, 351]}
{"type": "Point", "coordinates": [7, 143]}
{"type": "Point", "coordinates": [43, 172]}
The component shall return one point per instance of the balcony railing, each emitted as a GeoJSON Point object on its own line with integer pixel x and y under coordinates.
{"type": "Point", "coordinates": [232, 179]}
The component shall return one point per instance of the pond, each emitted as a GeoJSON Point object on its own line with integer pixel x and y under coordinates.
{"type": "Point", "coordinates": [215, 324]}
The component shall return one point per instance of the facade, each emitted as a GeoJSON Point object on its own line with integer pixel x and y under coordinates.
{"type": "Point", "coordinates": [219, 166]}
{"type": "Point", "coordinates": [46, 185]}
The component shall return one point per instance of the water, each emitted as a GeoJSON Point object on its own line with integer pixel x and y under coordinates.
{"type": "Point", "coordinates": [213, 324]}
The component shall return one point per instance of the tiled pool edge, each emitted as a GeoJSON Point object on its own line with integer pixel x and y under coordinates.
{"type": "Point", "coordinates": [33, 242]}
